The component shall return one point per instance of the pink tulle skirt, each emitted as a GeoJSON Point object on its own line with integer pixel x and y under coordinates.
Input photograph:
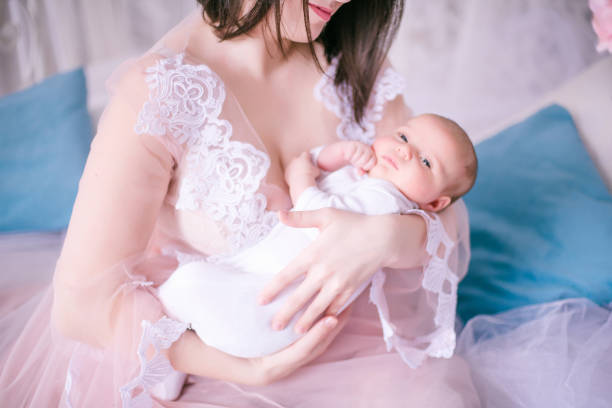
{"type": "Point", "coordinates": [556, 354]}
{"type": "Point", "coordinates": [41, 368]}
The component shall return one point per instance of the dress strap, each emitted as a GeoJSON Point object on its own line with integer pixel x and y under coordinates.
{"type": "Point", "coordinates": [388, 86]}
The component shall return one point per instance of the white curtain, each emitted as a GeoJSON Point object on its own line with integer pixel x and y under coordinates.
{"type": "Point", "coordinates": [480, 61]}
{"type": "Point", "coordinates": [41, 37]}
{"type": "Point", "coordinates": [477, 61]}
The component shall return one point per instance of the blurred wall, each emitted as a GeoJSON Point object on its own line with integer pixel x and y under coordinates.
{"type": "Point", "coordinates": [41, 37]}
{"type": "Point", "coordinates": [480, 61]}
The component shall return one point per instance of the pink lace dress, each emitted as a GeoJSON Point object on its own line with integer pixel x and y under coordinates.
{"type": "Point", "coordinates": [176, 172]}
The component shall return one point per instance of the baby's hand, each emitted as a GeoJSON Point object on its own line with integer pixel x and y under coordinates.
{"type": "Point", "coordinates": [301, 167]}
{"type": "Point", "coordinates": [360, 155]}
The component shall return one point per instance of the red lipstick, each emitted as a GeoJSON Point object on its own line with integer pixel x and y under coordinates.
{"type": "Point", "coordinates": [322, 12]}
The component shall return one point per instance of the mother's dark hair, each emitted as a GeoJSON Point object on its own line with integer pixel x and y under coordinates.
{"type": "Point", "coordinates": [360, 33]}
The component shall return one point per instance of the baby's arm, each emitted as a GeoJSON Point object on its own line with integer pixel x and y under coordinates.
{"type": "Point", "coordinates": [300, 174]}
{"type": "Point", "coordinates": [339, 154]}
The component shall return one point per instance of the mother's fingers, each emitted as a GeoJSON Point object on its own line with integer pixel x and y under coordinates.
{"type": "Point", "coordinates": [316, 340]}
{"type": "Point", "coordinates": [302, 294]}
{"type": "Point", "coordinates": [315, 309]}
{"type": "Point", "coordinates": [284, 362]}
{"type": "Point", "coordinates": [297, 267]}
{"type": "Point", "coordinates": [282, 279]}
{"type": "Point", "coordinates": [331, 335]}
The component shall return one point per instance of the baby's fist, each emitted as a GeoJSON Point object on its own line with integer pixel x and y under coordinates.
{"type": "Point", "coordinates": [360, 155]}
{"type": "Point", "coordinates": [301, 166]}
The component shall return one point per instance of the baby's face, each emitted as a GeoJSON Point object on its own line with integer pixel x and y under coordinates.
{"type": "Point", "coordinates": [422, 159]}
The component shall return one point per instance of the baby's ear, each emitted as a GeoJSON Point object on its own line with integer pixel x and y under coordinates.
{"type": "Point", "coordinates": [436, 205]}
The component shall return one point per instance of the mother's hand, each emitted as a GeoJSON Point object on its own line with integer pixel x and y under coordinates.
{"type": "Point", "coordinates": [275, 366]}
{"type": "Point", "coordinates": [350, 248]}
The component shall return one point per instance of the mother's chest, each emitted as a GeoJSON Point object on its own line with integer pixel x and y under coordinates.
{"type": "Point", "coordinates": [288, 120]}
{"type": "Point", "coordinates": [238, 181]}
{"type": "Point", "coordinates": [252, 152]}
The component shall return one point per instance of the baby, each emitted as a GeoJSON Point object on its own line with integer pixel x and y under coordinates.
{"type": "Point", "coordinates": [426, 164]}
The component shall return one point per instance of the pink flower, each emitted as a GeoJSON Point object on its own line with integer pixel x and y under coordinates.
{"type": "Point", "coordinates": [602, 23]}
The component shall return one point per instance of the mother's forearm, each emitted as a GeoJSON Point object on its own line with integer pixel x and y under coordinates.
{"type": "Point", "coordinates": [74, 319]}
{"type": "Point", "coordinates": [190, 355]}
{"type": "Point", "coordinates": [407, 237]}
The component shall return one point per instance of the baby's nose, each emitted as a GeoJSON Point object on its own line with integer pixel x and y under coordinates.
{"type": "Point", "coordinates": [404, 151]}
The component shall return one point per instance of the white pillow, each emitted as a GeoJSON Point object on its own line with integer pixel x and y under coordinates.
{"type": "Point", "coordinates": [588, 97]}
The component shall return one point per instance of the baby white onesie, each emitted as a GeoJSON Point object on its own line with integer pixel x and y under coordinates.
{"type": "Point", "coordinates": [218, 299]}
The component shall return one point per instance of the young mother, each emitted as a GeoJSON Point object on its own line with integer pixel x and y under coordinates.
{"type": "Point", "coordinates": [187, 163]}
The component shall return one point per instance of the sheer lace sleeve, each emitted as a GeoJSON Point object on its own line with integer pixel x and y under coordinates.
{"type": "Point", "coordinates": [447, 248]}
{"type": "Point", "coordinates": [104, 279]}
{"type": "Point", "coordinates": [436, 301]}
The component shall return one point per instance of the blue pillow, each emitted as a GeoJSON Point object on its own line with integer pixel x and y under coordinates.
{"type": "Point", "coordinates": [540, 219]}
{"type": "Point", "coordinates": [45, 133]}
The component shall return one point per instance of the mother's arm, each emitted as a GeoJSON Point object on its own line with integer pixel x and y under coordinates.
{"type": "Point", "coordinates": [190, 355]}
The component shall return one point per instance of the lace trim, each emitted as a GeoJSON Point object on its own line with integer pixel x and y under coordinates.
{"type": "Point", "coordinates": [222, 176]}
{"type": "Point", "coordinates": [160, 335]}
{"type": "Point", "coordinates": [387, 87]}
{"type": "Point", "coordinates": [407, 350]}
{"type": "Point", "coordinates": [439, 279]}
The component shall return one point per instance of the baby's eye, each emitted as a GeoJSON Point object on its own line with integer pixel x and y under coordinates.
{"type": "Point", "coordinates": [426, 162]}
{"type": "Point", "coordinates": [403, 137]}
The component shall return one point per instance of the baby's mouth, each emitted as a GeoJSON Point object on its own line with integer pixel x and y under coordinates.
{"type": "Point", "coordinates": [390, 161]}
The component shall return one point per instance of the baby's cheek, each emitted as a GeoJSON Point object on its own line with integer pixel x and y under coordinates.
{"type": "Point", "coordinates": [422, 189]}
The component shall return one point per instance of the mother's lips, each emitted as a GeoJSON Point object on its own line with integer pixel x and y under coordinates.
{"type": "Point", "coordinates": [322, 12]}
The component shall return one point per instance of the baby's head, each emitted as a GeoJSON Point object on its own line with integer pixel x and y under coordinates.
{"type": "Point", "coordinates": [430, 159]}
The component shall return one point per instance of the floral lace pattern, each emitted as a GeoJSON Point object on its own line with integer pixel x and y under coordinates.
{"type": "Point", "coordinates": [439, 279]}
{"type": "Point", "coordinates": [160, 335]}
{"type": "Point", "coordinates": [222, 176]}
{"type": "Point", "coordinates": [387, 87]}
